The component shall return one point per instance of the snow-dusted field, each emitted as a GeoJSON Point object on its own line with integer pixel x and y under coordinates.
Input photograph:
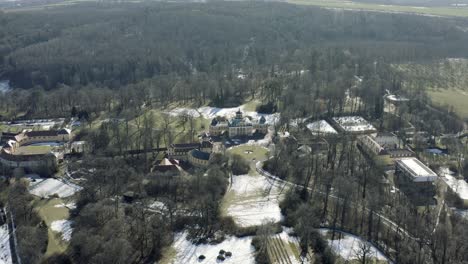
{"type": "Point", "coordinates": [51, 186]}
{"type": "Point", "coordinates": [212, 112]}
{"type": "Point", "coordinates": [458, 186]}
{"type": "Point", "coordinates": [5, 252]}
{"type": "Point", "coordinates": [64, 227]}
{"type": "Point", "coordinates": [252, 200]}
{"type": "Point", "coordinates": [321, 127]}
{"type": "Point", "coordinates": [188, 253]}
{"type": "Point", "coordinates": [348, 246]}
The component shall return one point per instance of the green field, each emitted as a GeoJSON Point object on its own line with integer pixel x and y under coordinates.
{"type": "Point", "coordinates": [32, 150]}
{"type": "Point", "coordinates": [458, 99]}
{"type": "Point", "coordinates": [251, 153]}
{"type": "Point", "coordinates": [343, 4]}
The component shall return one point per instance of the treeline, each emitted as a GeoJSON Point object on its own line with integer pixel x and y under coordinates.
{"type": "Point", "coordinates": [114, 45]}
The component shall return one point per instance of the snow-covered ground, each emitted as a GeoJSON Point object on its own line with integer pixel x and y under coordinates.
{"type": "Point", "coordinates": [5, 252]}
{"type": "Point", "coordinates": [321, 127]}
{"type": "Point", "coordinates": [4, 86]}
{"type": "Point", "coordinates": [70, 205]}
{"type": "Point", "coordinates": [458, 186]}
{"type": "Point", "coordinates": [51, 186]}
{"type": "Point", "coordinates": [64, 227]}
{"type": "Point", "coordinates": [188, 253]}
{"type": "Point", "coordinates": [212, 112]}
{"type": "Point", "coordinates": [348, 246]}
{"type": "Point", "coordinates": [354, 124]}
{"type": "Point", "coordinates": [252, 200]}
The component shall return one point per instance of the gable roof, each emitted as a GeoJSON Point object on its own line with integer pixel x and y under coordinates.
{"type": "Point", "coordinates": [198, 154]}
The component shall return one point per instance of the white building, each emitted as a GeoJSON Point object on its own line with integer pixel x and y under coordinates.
{"type": "Point", "coordinates": [354, 124]}
{"type": "Point", "coordinates": [238, 126]}
{"type": "Point", "coordinates": [415, 170]}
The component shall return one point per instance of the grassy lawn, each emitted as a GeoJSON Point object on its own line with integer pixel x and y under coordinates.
{"type": "Point", "coordinates": [31, 150]}
{"type": "Point", "coordinates": [251, 106]}
{"type": "Point", "coordinates": [438, 11]}
{"type": "Point", "coordinates": [250, 152]}
{"type": "Point", "coordinates": [452, 97]}
{"type": "Point", "coordinates": [49, 213]}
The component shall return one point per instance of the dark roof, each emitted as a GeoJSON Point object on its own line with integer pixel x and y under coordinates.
{"type": "Point", "coordinates": [42, 133]}
{"type": "Point", "coordinates": [165, 168]}
{"type": "Point", "coordinates": [63, 132]}
{"type": "Point", "coordinates": [385, 134]}
{"type": "Point", "coordinates": [10, 134]}
{"type": "Point", "coordinates": [206, 144]}
{"type": "Point", "coordinates": [200, 154]}
{"type": "Point", "coordinates": [400, 152]}
{"type": "Point", "coordinates": [28, 157]}
{"type": "Point", "coordinates": [186, 145]}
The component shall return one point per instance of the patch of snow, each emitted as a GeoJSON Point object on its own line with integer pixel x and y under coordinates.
{"type": "Point", "coordinates": [188, 253]}
{"type": "Point", "coordinates": [5, 252]}
{"type": "Point", "coordinates": [458, 186]}
{"type": "Point", "coordinates": [255, 200]}
{"type": "Point", "coordinates": [212, 112]}
{"type": "Point", "coordinates": [321, 127]}
{"type": "Point", "coordinates": [64, 227]}
{"type": "Point", "coordinates": [70, 205]}
{"type": "Point", "coordinates": [51, 186]}
{"type": "Point", "coordinates": [348, 245]}
{"type": "Point", "coordinates": [5, 86]}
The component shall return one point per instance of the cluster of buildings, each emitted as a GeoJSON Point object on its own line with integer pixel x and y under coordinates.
{"type": "Point", "coordinates": [239, 126]}
{"type": "Point", "coordinates": [197, 154]}
{"type": "Point", "coordinates": [384, 144]}
{"type": "Point", "coordinates": [15, 154]}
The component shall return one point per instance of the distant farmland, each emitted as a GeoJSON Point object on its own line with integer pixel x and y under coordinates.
{"type": "Point", "coordinates": [460, 11]}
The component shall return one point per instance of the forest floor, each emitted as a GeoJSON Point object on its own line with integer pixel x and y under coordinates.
{"type": "Point", "coordinates": [420, 10]}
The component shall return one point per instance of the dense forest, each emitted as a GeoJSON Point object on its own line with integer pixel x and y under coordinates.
{"type": "Point", "coordinates": [111, 65]}
{"type": "Point", "coordinates": [121, 44]}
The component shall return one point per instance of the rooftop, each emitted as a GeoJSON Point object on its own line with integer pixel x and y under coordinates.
{"type": "Point", "coordinates": [186, 145]}
{"type": "Point", "coordinates": [200, 154]}
{"type": "Point", "coordinates": [354, 124]}
{"type": "Point", "coordinates": [321, 127]}
{"type": "Point", "coordinates": [417, 169]}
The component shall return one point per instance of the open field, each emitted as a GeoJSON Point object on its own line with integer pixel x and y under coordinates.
{"type": "Point", "coordinates": [251, 153]}
{"type": "Point", "coordinates": [451, 97]}
{"type": "Point", "coordinates": [32, 150]}
{"type": "Point", "coordinates": [349, 5]}
{"type": "Point", "coordinates": [252, 199]}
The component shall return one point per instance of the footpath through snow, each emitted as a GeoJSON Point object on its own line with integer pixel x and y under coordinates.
{"type": "Point", "coordinates": [253, 200]}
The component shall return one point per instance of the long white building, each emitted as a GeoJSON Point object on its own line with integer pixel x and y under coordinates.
{"type": "Point", "coordinates": [415, 170]}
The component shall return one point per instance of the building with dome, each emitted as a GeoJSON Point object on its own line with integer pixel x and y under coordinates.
{"type": "Point", "coordinates": [239, 126]}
